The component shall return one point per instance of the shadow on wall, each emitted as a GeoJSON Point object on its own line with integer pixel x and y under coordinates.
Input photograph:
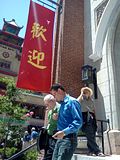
{"type": "Point", "coordinates": [100, 110]}
{"type": "Point", "coordinates": [87, 31]}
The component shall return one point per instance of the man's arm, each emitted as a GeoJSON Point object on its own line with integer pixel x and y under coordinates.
{"type": "Point", "coordinates": [77, 118]}
{"type": "Point", "coordinates": [75, 109]}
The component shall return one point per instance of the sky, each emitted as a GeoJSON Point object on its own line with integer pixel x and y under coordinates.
{"type": "Point", "coordinates": [18, 10]}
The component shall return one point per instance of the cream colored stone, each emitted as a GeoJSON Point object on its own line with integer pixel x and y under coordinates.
{"type": "Point", "coordinates": [112, 142]}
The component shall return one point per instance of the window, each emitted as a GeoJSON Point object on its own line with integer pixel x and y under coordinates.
{"type": "Point", "coordinates": [11, 30]}
{"type": "Point", "coordinates": [99, 11]}
{"type": "Point", "coordinates": [4, 64]}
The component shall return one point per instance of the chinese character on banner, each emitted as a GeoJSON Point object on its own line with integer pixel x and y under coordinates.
{"type": "Point", "coordinates": [36, 61]}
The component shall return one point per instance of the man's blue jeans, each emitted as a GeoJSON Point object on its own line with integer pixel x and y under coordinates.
{"type": "Point", "coordinates": [49, 148]}
{"type": "Point", "coordinates": [65, 148]}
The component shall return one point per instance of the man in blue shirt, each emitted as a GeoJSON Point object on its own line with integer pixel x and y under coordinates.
{"type": "Point", "coordinates": [69, 122]}
{"type": "Point", "coordinates": [34, 135]}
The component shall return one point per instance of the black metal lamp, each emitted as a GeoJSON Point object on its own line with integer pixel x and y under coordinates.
{"type": "Point", "coordinates": [89, 76]}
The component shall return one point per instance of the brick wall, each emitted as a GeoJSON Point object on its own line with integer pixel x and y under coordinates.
{"type": "Point", "coordinates": [69, 52]}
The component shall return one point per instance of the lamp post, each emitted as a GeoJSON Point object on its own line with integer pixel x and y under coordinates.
{"type": "Point", "coordinates": [89, 76]}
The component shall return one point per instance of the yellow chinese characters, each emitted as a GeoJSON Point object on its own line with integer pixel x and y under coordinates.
{"type": "Point", "coordinates": [38, 31]}
{"type": "Point", "coordinates": [35, 58]}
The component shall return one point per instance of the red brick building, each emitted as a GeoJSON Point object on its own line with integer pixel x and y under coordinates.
{"type": "Point", "coordinates": [69, 46]}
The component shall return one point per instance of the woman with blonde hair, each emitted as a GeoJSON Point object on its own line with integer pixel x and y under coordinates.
{"type": "Point", "coordinates": [89, 120]}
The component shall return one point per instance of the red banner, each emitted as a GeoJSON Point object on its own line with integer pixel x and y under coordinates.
{"type": "Point", "coordinates": [36, 61]}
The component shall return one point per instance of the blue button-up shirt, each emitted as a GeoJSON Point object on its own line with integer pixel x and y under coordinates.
{"type": "Point", "coordinates": [70, 116]}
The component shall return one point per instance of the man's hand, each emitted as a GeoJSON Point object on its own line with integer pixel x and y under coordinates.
{"type": "Point", "coordinates": [55, 116]}
{"type": "Point", "coordinates": [59, 135]}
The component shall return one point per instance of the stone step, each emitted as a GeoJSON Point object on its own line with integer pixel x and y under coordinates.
{"type": "Point", "coordinates": [85, 157]}
{"type": "Point", "coordinates": [81, 151]}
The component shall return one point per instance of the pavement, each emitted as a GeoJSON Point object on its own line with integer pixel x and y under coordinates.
{"type": "Point", "coordinates": [85, 157]}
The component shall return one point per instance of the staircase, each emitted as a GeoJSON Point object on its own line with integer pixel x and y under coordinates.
{"type": "Point", "coordinates": [85, 157]}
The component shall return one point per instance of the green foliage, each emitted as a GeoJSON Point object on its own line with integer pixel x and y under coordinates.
{"type": "Point", "coordinates": [9, 151]}
{"type": "Point", "coordinates": [6, 80]}
{"type": "Point", "coordinates": [11, 113]}
{"type": "Point", "coordinates": [8, 104]}
{"type": "Point", "coordinates": [31, 155]}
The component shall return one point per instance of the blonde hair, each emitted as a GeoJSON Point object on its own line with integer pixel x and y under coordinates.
{"type": "Point", "coordinates": [83, 90]}
{"type": "Point", "coordinates": [49, 97]}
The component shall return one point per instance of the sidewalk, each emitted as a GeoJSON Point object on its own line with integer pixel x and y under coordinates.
{"type": "Point", "coordinates": [85, 157]}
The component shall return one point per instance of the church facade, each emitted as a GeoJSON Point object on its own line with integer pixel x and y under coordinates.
{"type": "Point", "coordinates": [89, 34]}
{"type": "Point", "coordinates": [101, 50]}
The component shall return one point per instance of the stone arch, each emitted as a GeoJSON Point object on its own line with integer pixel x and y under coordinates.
{"type": "Point", "coordinates": [105, 22]}
{"type": "Point", "coordinates": [113, 70]}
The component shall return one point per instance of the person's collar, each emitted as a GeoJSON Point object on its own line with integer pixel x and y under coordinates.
{"type": "Point", "coordinates": [65, 100]}
{"type": "Point", "coordinates": [54, 108]}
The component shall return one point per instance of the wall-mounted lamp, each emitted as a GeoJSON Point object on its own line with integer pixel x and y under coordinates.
{"type": "Point", "coordinates": [89, 76]}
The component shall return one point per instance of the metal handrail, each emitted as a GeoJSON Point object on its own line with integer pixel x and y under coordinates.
{"type": "Point", "coordinates": [34, 144]}
{"type": "Point", "coordinates": [102, 130]}
{"type": "Point", "coordinates": [21, 152]}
